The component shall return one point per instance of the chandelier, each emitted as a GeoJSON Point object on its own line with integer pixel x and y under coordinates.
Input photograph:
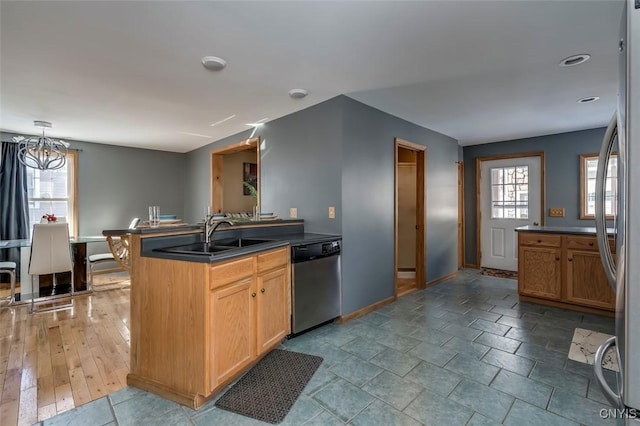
{"type": "Point", "coordinates": [40, 152]}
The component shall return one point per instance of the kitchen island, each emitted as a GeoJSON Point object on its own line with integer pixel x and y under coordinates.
{"type": "Point", "coordinates": [199, 320]}
{"type": "Point", "coordinates": [560, 266]}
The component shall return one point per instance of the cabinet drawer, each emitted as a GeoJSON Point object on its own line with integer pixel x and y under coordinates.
{"type": "Point", "coordinates": [586, 243]}
{"type": "Point", "coordinates": [539, 240]}
{"type": "Point", "coordinates": [230, 272]}
{"type": "Point", "coordinates": [273, 259]}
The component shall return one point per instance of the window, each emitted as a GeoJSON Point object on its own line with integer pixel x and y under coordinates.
{"type": "Point", "coordinates": [588, 167]}
{"type": "Point", "coordinates": [510, 192]}
{"type": "Point", "coordinates": [54, 191]}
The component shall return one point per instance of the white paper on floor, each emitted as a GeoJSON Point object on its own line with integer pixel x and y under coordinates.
{"type": "Point", "coordinates": [584, 345]}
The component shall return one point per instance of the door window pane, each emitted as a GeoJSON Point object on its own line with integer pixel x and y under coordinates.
{"type": "Point", "coordinates": [510, 192]}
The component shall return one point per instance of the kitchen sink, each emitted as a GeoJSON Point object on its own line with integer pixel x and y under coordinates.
{"type": "Point", "coordinates": [242, 242]}
{"type": "Point", "coordinates": [211, 248]}
{"type": "Point", "coordinates": [197, 248]}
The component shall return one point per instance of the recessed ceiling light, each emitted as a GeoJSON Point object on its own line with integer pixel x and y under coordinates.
{"type": "Point", "coordinates": [588, 99]}
{"type": "Point", "coordinates": [213, 63]}
{"type": "Point", "coordinates": [574, 60]}
{"type": "Point", "coordinates": [298, 93]}
{"type": "Point", "coordinates": [254, 124]}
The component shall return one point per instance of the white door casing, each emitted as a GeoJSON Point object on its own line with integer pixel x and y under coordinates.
{"type": "Point", "coordinates": [510, 196]}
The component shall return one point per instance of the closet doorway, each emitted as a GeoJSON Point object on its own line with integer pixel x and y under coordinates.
{"type": "Point", "coordinates": [410, 242]}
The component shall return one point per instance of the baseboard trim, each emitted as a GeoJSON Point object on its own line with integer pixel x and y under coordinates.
{"type": "Point", "coordinates": [558, 304]}
{"type": "Point", "coordinates": [367, 309]}
{"type": "Point", "coordinates": [441, 279]}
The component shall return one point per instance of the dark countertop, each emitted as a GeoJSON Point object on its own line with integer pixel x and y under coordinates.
{"type": "Point", "coordinates": [576, 230]}
{"type": "Point", "coordinates": [276, 239]}
{"type": "Point", "coordinates": [300, 239]}
{"type": "Point", "coordinates": [198, 226]}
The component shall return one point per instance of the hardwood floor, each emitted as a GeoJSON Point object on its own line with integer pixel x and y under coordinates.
{"type": "Point", "coordinates": [52, 362]}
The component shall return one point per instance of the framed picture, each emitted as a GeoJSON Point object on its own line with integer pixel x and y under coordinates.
{"type": "Point", "coordinates": [250, 176]}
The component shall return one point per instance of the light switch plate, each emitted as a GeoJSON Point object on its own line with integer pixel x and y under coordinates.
{"type": "Point", "coordinates": [293, 212]}
{"type": "Point", "coordinates": [556, 212]}
{"type": "Point", "coordinates": [332, 212]}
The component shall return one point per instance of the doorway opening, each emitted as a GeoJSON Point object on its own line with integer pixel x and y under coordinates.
{"type": "Point", "coordinates": [410, 242]}
{"type": "Point", "coordinates": [234, 169]}
{"type": "Point", "coordinates": [460, 215]}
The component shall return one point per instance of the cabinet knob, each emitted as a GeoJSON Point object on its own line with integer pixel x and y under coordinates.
{"type": "Point", "coordinates": [557, 258]}
{"type": "Point", "coordinates": [539, 241]}
{"type": "Point", "coordinates": [570, 259]}
{"type": "Point", "coordinates": [253, 295]}
{"type": "Point", "coordinates": [591, 243]}
{"type": "Point", "coordinates": [262, 290]}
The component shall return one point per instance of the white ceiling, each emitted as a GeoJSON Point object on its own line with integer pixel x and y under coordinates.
{"type": "Point", "coordinates": [129, 73]}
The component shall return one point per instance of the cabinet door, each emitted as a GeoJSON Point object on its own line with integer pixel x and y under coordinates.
{"type": "Point", "coordinates": [539, 272]}
{"type": "Point", "coordinates": [586, 281]}
{"type": "Point", "coordinates": [273, 308]}
{"type": "Point", "coordinates": [233, 329]}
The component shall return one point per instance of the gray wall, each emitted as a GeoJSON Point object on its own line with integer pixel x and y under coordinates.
{"type": "Point", "coordinates": [562, 176]}
{"type": "Point", "coordinates": [116, 184]}
{"type": "Point", "coordinates": [341, 153]}
{"type": "Point", "coordinates": [368, 202]}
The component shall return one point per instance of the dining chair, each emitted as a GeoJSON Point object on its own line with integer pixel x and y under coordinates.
{"type": "Point", "coordinates": [122, 253]}
{"type": "Point", "coordinates": [51, 254]}
{"type": "Point", "coordinates": [9, 268]}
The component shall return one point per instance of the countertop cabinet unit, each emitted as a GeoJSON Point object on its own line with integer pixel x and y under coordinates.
{"type": "Point", "coordinates": [539, 266]}
{"type": "Point", "coordinates": [563, 270]}
{"type": "Point", "coordinates": [584, 266]}
{"type": "Point", "coordinates": [195, 327]}
{"type": "Point", "coordinates": [249, 313]}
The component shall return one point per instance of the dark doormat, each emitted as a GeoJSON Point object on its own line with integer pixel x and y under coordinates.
{"type": "Point", "coordinates": [499, 273]}
{"type": "Point", "coordinates": [269, 390]}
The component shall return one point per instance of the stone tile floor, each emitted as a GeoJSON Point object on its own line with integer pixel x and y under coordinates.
{"type": "Point", "coordinates": [464, 352]}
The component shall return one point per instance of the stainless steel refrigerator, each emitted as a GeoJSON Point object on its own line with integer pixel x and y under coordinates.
{"type": "Point", "coordinates": [623, 136]}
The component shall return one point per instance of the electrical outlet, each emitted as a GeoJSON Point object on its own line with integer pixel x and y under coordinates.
{"type": "Point", "coordinates": [293, 212]}
{"type": "Point", "coordinates": [332, 212]}
{"type": "Point", "coordinates": [556, 212]}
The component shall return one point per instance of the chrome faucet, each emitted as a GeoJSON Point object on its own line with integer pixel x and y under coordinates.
{"type": "Point", "coordinates": [210, 226]}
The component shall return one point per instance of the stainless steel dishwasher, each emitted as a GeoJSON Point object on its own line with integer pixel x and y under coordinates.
{"type": "Point", "coordinates": [316, 281]}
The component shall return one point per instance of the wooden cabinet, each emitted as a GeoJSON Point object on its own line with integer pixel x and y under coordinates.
{"type": "Point", "coordinates": [250, 305]}
{"type": "Point", "coordinates": [195, 327]}
{"type": "Point", "coordinates": [586, 282]}
{"type": "Point", "coordinates": [540, 269]}
{"type": "Point", "coordinates": [232, 330]}
{"type": "Point", "coordinates": [563, 270]}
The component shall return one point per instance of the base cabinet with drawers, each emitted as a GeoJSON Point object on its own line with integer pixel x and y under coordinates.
{"type": "Point", "coordinates": [563, 270]}
{"type": "Point", "coordinates": [195, 327]}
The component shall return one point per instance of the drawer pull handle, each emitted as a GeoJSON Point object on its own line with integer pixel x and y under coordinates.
{"type": "Point", "coordinates": [253, 295]}
{"type": "Point", "coordinates": [539, 241]}
{"type": "Point", "coordinates": [262, 290]}
{"type": "Point", "coordinates": [591, 244]}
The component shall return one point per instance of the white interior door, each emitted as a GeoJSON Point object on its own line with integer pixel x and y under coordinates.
{"type": "Point", "coordinates": [510, 196]}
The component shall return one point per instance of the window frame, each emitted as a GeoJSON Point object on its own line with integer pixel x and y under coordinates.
{"type": "Point", "coordinates": [72, 190]}
{"type": "Point", "coordinates": [583, 186]}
